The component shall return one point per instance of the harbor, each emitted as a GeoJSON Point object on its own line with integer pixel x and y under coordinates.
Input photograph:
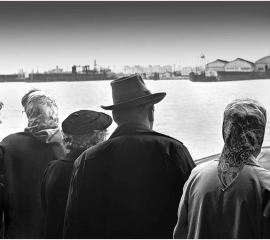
{"type": "Point", "coordinates": [134, 120]}
{"type": "Point", "coordinates": [238, 69]}
{"type": "Point", "coordinates": [216, 71]}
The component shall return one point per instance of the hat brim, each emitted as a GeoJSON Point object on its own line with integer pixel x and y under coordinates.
{"type": "Point", "coordinates": [153, 98]}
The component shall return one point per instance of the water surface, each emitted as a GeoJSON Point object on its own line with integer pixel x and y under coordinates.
{"type": "Point", "coordinates": [191, 112]}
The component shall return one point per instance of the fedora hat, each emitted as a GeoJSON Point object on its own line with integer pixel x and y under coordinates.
{"type": "Point", "coordinates": [131, 91]}
{"type": "Point", "coordinates": [85, 121]}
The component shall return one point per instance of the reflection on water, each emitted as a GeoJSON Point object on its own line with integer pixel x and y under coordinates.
{"type": "Point", "coordinates": [191, 112]}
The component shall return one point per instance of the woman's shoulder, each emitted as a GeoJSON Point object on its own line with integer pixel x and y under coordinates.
{"type": "Point", "coordinates": [18, 140]}
{"type": "Point", "coordinates": [26, 142]}
{"type": "Point", "coordinates": [15, 136]}
{"type": "Point", "coordinates": [262, 174]}
{"type": "Point", "coordinates": [61, 163]}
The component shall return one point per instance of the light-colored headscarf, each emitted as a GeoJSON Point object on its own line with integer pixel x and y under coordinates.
{"type": "Point", "coordinates": [243, 133]}
{"type": "Point", "coordinates": [1, 106]}
{"type": "Point", "coordinates": [42, 114]}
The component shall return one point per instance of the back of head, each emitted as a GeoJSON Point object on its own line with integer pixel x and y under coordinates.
{"type": "Point", "coordinates": [25, 97]}
{"type": "Point", "coordinates": [84, 129]}
{"type": "Point", "coordinates": [134, 114]}
{"type": "Point", "coordinates": [41, 110]}
{"type": "Point", "coordinates": [245, 121]}
{"type": "Point", "coordinates": [243, 133]}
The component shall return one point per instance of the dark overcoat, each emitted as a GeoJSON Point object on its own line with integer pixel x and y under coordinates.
{"type": "Point", "coordinates": [128, 186]}
{"type": "Point", "coordinates": [54, 192]}
{"type": "Point", "coordinates": [24, 162]}
{"type": "Point", "coordinates": [1, 190]}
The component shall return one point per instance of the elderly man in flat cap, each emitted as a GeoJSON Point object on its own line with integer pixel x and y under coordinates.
{"type": "Point", "coordinates": [129, 186]}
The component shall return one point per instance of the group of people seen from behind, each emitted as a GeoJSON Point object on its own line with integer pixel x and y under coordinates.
{"type": "Point", "coordinates": [69, 181]}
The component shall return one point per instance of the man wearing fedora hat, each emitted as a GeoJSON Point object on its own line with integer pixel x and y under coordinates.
{"type": "Point", "coordinates": [129, 186]}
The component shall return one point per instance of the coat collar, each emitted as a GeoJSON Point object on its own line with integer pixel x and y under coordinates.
{"type": "Point", "coordinates": [69, 157]}
{"type": "Point", "coordinates": [131, 129]}
{"type": "Point", "coordinates": [137, 129]}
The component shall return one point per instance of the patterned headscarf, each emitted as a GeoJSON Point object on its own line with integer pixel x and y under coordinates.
{"type": "Point", "coordinates": [243, 132]}
{"type": "Point", "coordinates": [42, 114]}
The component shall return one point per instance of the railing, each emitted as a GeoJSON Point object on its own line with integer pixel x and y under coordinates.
{"type": "Point", "coordinates": [263, 158]}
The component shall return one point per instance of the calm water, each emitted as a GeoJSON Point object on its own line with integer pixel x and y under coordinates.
{"type": "Point", "coordinates": [191, 112]}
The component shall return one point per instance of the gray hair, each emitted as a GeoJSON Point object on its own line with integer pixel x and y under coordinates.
{"type": "Point", "coordinates": [77, 144]}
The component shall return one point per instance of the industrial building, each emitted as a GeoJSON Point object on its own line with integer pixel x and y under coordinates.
{"type": "Point", "coordinates": [239, 65]}
{"type": "Point", "coordinates": [263, 64]}
{"type": "Point", "coordinates": [186, 71]}
{"type": "Point", "coordinates": [212, 68]}
{"type": "Point", "coordinates": [56, 70]}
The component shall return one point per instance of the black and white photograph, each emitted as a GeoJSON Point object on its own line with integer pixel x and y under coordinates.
{"type": "Point", "coordinates": [134, 119]}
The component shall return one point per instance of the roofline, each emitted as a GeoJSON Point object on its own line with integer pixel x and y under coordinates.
{"type": "Point", "coordinates": [243, 60]}
{"type": "Point", "coordinates": [262, 58]}
{"type": "Point", "coordinates": [224, 61]}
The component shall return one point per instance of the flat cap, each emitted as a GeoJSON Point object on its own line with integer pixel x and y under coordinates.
{"type": "Point", "coordinates": [85, 121]}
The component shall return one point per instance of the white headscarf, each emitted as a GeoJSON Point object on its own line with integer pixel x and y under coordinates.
{"type": "Point", "coordinates": [42, 114]}
{"type": "Point", "coordinates": [1, 106]}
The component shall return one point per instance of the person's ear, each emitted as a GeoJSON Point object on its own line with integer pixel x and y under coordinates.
{"type": "Point", "coordinates": [100, 136]}
{"type": "Point", "coordinates": [151, 111]}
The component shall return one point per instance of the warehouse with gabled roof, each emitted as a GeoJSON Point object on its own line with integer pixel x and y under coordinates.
{"type": "Point", "coordinates": [240, 65]}
{"type": "Point", "coordinates": [263, 64]}
{"type": "Point", "coordinates": [212, 68]}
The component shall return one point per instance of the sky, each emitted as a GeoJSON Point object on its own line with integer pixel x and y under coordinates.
{"type": "Point", "coordinates": [39, 36]}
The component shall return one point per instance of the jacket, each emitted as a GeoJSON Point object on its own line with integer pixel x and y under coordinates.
{"type": "Point", "coordinates": [241, 211]}
{"type": "Point", "coordinates": [128, 186]}
{"type": "Point", "coordinates": [1, 190]}
{"type": "Point", "coordinates": [24, 162]}
{"type": "Point", "coordinates": [54, 192]}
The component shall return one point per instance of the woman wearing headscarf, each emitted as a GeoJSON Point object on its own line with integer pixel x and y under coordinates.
{"type": "Point", "coordinates": [81, 130]}
{"type": "Point", "coordinates": [230, 197]}
{"type": "Point", "coordinates": [26, 156]}
{"type": "Point", "coordinates": [1, 106]}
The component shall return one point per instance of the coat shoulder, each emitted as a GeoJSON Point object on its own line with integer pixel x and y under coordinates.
{"type": "Point", "coordinates": [263, 176]}
{"type": "Point", "coordinates": [17, 137]}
